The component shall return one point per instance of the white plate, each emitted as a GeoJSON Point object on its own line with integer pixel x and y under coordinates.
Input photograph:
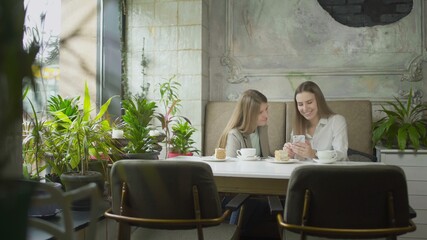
{"type": "Point", "coordinates": [324, 161]}
{"type": "Point", "coordinates": [272, 160]}
{"type": "Point", "coordinates": [214, 159]}
{"type": "Point", "coordinates": [253, 158]}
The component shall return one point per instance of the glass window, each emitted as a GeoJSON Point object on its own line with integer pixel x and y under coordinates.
{"type": "Point", "coordinates": [42, 27]}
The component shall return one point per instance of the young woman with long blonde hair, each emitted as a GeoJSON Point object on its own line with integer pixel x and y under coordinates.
{"type": "Point", "coordinates": [247, 127]}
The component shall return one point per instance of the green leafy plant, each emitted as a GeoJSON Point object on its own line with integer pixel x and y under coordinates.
{"type": "Point", "coordinates": [79, 137]}
{"type": "Point", "coordinates": [139, 112]}
{"type": "Point", "coordinates": [181, 141]}
{"type": "Point", "coordinates": [56, 144]}
{"type": "Point", "coordinates": [33, 150]}
{"type": "Point", "coordinates": [69, 106]}
{"type": "Point", "coordinates": [403, 126]}
{"type": "Point", "coordinates": [170, 104]}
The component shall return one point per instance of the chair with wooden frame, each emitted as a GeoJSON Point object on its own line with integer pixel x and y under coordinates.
{"type": "Point", "coordinates": [169, 199]}
{"type": "Point", "coordinates": [346, 202]}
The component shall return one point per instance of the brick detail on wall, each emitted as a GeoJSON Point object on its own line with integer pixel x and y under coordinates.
{"type": "Point", "coordinates": [367, 13]}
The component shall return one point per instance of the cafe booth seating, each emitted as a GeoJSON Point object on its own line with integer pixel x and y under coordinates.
{"type": "Point", "coordinates": [358, 115]}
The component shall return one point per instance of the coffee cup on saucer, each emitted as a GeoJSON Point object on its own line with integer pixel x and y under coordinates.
{"type": "Point", "coordinates": [246, 153]}
{"type": "Point", "coordinates": [326, 156]}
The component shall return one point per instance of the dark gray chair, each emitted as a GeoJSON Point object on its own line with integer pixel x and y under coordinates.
{"type": "Point", "coordinates": [169, 199]}
{"type": "Point", "coordinates": [364, 201]}
{"type": "Point", "coordinates": [358, 156]}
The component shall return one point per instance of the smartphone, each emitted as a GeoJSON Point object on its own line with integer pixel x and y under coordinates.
{"type": "Point", "coordinates": [298, 138]}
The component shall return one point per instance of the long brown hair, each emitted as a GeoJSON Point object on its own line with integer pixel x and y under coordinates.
{"type": "Point", "coordinates": [300, 123]}
{"type": "Point", "coordinates": [245, 114]}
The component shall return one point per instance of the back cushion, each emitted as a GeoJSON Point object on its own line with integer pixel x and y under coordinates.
{"type": "Point", "coordinates": [163, 189]}
{"type": "Point", "coordinates": [358, 115]}
{"type": "Point", "coordinates": [217, 115]}
{"type": "Point", "coordinates": [347, 196]}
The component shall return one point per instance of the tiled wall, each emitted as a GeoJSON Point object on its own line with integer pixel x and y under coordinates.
{"type": "Point", "coordinates": [174, 35]}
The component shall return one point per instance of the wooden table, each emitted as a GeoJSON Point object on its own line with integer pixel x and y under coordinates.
{"type": "Point", "coordinates": [254, 177]}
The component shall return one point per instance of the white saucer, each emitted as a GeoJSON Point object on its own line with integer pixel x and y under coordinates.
{"type": "Point", "coordinates": [332, 160]}
{"type": "Point", "coordinates": [252, 158]}
{"type": "Point", "coordinates": [214, 159]}
{"type": "Point", "coordinates": [272, 160]}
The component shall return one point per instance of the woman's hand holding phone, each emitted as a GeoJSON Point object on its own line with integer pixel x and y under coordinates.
{"type": "Point", "coordinates": [298, 138]}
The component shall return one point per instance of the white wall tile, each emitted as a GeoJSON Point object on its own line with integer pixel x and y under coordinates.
{"type": "Point", "coordinates": [166, 13]}
{"type": "Point", "coordinates": [166, 38]}
{"type": "Point", "coordinates": [141, 14]}
{"type": "Point", "coordinates": [191, 87]}
{"type": "Point", "coordinates": [165, 62]}
{"type": "Point", "coordinates": [190, 37]}
{"type": "Point", "coordinates": [189, 62]}
{"type": "Point", "coordinates": [189, 13]}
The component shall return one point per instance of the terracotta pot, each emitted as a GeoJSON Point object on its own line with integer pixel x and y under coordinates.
{"type": "Point", "coordinates": [172, 154]}
{"type": "Point", "coordinates": [148, 156]}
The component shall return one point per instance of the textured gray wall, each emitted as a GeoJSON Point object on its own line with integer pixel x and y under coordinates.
{"type": "Point", "coordinates": [274, 45]}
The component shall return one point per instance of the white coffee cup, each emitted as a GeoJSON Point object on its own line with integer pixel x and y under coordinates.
{"type": "Point", "coordinates": [327, 155]}
{"type": "Point", "coordinates": [246, 152]}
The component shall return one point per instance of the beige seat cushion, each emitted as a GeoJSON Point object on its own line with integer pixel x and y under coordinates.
{"type": "Point", "coordinates": [217, 115]}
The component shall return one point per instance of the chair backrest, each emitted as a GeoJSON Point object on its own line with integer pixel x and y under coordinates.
{"type": "Point", "coordinates": [164, 190]}
{"type": "Point", "coordinates": [64, 200]}
{"type": "Point", "coordinates": [217, 115]}
{"type": "Point", "coordinates": [350, 197]}
{"type": "Point", "coordinates": [358, 115]}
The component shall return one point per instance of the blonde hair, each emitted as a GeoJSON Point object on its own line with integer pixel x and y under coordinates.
{"type": "Point", "coordinates": [245, 115]}
{"type": "Point", "coordinates": [300, 123]}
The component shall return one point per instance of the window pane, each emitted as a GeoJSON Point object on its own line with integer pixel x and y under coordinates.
{"type": "Point", "coordinates": [42, 27]}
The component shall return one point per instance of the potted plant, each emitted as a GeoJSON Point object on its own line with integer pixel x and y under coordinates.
{"type": "Point", "coordinates": [170, 104]}
{"type": "Point", "coordinates": [32, 144]}
{"type": "Point", "coordinates": [33, 153]}
{"type": "Point", "coordinates": [81, 136]}
{"type": "Point", "coordinates": [181, 142]}
{"type": "Point", "coordinates": [54, 143]}
{"type": "Point", "coordinates": [403, 126]}
{"type": "Point", "coordinates": [138, 129]}
{"type": "Point", "coordinates": [401, 141]}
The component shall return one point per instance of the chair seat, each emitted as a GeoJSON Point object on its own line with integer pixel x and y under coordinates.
{"type": "Point", "coordinates": [173, 195]}
{"type": "Point", "coordinates": [288, 235]}
{"type": "Point", "coordinates": [222, 231]}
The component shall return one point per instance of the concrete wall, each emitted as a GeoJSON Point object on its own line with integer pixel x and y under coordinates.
{"type": "Point", "coordinates": [275, 45]}
{"type": "Point", "coordinates": [174, 36]}
{"type": "Point", "coordinates": [219, 48]}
